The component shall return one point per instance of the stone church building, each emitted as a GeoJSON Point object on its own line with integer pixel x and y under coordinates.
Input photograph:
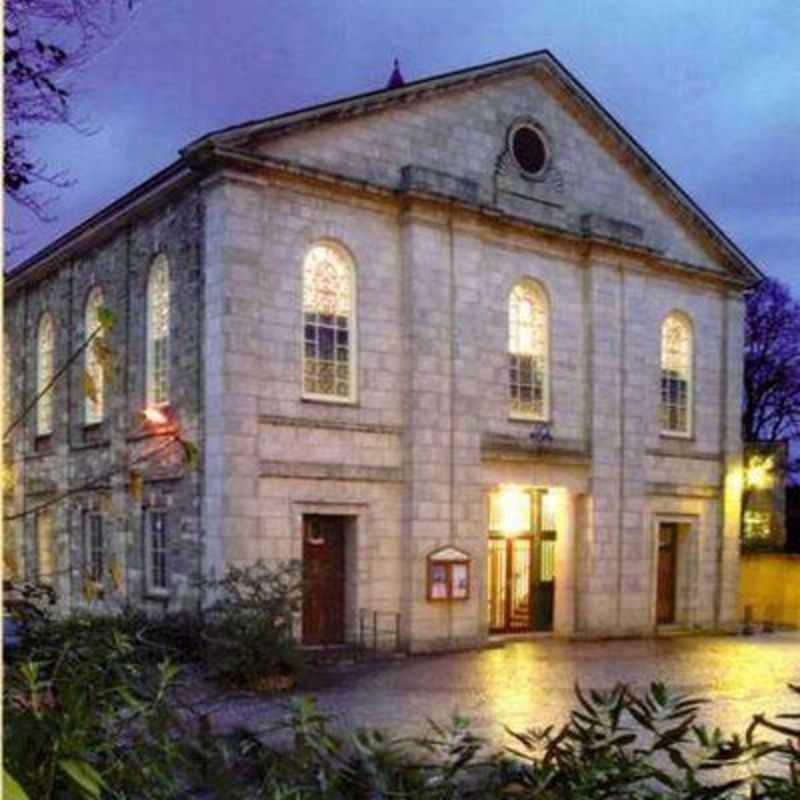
{"type": "Point", "coordinates": [459, 345]}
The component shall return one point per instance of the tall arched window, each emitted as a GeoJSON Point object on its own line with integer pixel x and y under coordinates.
{"type": "Point", "coordinates": [94, 407]}
{"type": "Point", "coordinates": [328, 324]}
{"type": "Point", "coordinates": [528, 323]}
{"type": "Point", "coordinates": [158, 301]}
{"type": "Point", "coordinates": [45, 346]}
{"type": "Point", "coordinates": [676, 375]}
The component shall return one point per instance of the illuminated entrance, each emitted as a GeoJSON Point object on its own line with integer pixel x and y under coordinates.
{"type": "Point", "coordinates": [522, 540]}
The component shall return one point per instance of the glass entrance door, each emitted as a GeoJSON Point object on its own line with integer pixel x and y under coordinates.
{"type": "Point", "coordinates": [511, 583]}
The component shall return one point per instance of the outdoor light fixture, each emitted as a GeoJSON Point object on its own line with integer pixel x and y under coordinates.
{"type": "Point", "coordinates": [758, 473]}
{"type": "Point", "coordinates": [510, 510]}
{"type": "Point", "coordinates": [155, 416]}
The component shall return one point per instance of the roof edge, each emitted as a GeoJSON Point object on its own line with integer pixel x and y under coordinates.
{"type": "Point", "coordinates": [164, 179]}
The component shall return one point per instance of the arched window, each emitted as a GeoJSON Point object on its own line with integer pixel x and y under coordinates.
{"type": "Point", "coordinates": [528, 321]}
{"type": "Point", "coordinates": [158, 299]}
{"type": "Point", "coordinates": [328, 324]}
{"type": "Point", "coordinates": [676, 375]}
{"type": "Point", "coordinates": [45, 346]}
{"type": "Point", "coordinates": [94, 407]}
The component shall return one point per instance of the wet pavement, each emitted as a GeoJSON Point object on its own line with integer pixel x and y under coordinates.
{"type": "Point", "coordinates": [530, 683]}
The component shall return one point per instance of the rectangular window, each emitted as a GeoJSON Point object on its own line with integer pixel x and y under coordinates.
{"type": "Point", "coordinates": [757, 525]}
{"type": "Point", "coordinates": [157, 549]}
{"type": "Point", "coordinates": [95, 546]}
{"type": "Point", "coordinates": [526, 382]}
{"type": "Point", "coordinates": [327, 355]}
{"type": "Point", "coordinates": [45, 553]}
{"type": "Point", "coordinates": [674, 402]}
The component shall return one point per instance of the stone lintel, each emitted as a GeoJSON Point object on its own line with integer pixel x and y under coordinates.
{"type": "Point", "coordinates": [705, 492]}
{"type": "Point", "coordinates": [330, 472]}
{"type": "Point", "coordinates": [328, 424]}
{"type": "Point", "coordinates": [680, 449]}
{"type": "Point", "coordinates": [502, 447]}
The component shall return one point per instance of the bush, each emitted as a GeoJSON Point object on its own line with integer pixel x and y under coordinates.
{"type": "Point", "coordinates": [617, 745]}
{"type": "Point", "coordinates": [89, 714]}
{"type": "Point", "coordinates": [86, 714]}
{"type": "Point", "coordinates": [250, 626]}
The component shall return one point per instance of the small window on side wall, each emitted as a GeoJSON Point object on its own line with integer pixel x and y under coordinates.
{"type": "Point", "coordinates": [45, 547]}
{"type": "Point", "coordinates": [676, 376]}
{"type": "Point", "coordinates": [156, 538]}
{"type": "Point", "coordinates": [94, 406]}
{"type": "Point", "coordinates": [94, 546]}
{"type": "Point", "coordinates": [45, 360]}
{"type": "Point", "coordinates": [158, 324]}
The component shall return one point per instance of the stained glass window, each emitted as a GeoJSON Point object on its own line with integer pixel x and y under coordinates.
{"type": "Point", "coordinates": [94, 406]}
{"type": "Point", "coordinates": [44, 375]}
{"type": "Point", "coordinates": [328, 323]}
{"type": "Point", "coordinates": [158, 301]}
{"type": "Point", "coordinates": [527, 350]}
{"type": "Point", "coordinates": [676, 372]}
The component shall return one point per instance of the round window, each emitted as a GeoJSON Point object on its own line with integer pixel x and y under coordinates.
{"type": "Point", "coordinates": [529, 149]}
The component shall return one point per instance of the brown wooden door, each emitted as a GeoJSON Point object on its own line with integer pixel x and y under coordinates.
{"type": "Point", "coordinates": [323, 572]}
{"type": "Point", "coordinates": [665, 596]}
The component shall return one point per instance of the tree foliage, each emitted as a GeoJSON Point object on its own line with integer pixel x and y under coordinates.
{"type": "Point", "coordinates": [772, 364]}
{"type": "Point", "coordinates": [46, 42]}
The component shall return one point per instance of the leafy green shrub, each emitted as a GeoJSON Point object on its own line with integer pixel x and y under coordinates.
{"type": "Point", "coordinates": [617, 745]}
{"type": "Point", "coordinates": [250, 626]}
{"type": "Point", "coordinates": [86, 714]}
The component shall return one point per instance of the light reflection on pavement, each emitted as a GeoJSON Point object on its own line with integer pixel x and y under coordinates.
{"type": "Point", "coordinates": [530, 683]}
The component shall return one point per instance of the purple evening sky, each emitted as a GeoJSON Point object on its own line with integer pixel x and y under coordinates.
{"type": "Point", "coordinates": [711, 90]}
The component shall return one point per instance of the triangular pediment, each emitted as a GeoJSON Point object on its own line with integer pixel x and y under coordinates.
{"type": "Point", "coordinates": [450, 136]}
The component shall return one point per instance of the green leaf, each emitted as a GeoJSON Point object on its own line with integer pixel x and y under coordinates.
{"type": "Point", "coordinates": [84, 775]}
{"type": "Point", "coordinates": [136, 485]}
{"type": "Point", "coordinates": [191, 452]}
{"type": "Point", "coordinates": [106, 318]}
{"type": "Point", "coordinates": [89, 386]}
{"type": "Point", "coordinates": [11, 789]}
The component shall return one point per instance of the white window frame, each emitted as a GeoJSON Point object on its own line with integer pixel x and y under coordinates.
{"type": "Point", "coordinates": [45, 369]}
{"type": "Point", "coordinates": [685, 322]}
{"type": "Point", "coordinates": [153, 587]}
{"type": "Point", "coordinates": [93, 413]}
{"type": "Point", "coordinates": [352, 328]}
{"type": "Point", "coordinates": [535, 288]}
{"type": "Point", "coordinates": [157, 375]}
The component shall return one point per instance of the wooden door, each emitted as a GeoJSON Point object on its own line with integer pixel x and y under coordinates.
{"type": "Point", "coordinates": [324, 579]}
{"type": "Point", "coordinates": [667, 558]}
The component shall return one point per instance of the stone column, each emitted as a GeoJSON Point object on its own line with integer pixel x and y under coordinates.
{"type": "Point", "coordinates": [566, 566]}
{"type": "Point", "coordinates": [732, 478]}
{"type": "Point", "coordinates": [425, 253]}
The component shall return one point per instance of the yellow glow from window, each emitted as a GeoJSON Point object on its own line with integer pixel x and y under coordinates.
{"type": "Point", "coordinates": [511, 510]}
{"type": "Point", "coordinates": [759, 473]}
{"type": "Point", "coordinates": [549, 509]}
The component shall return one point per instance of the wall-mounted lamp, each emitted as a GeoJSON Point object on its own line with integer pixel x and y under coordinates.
{"type": "Point", "coordinates": [758, 474]}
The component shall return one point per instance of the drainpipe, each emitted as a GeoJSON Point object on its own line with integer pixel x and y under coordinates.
{"type": "Point", "coordinates": [452, 384]}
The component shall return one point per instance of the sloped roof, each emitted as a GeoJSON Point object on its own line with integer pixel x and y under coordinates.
{"type": "Point", "coordinates": [368, 102]}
